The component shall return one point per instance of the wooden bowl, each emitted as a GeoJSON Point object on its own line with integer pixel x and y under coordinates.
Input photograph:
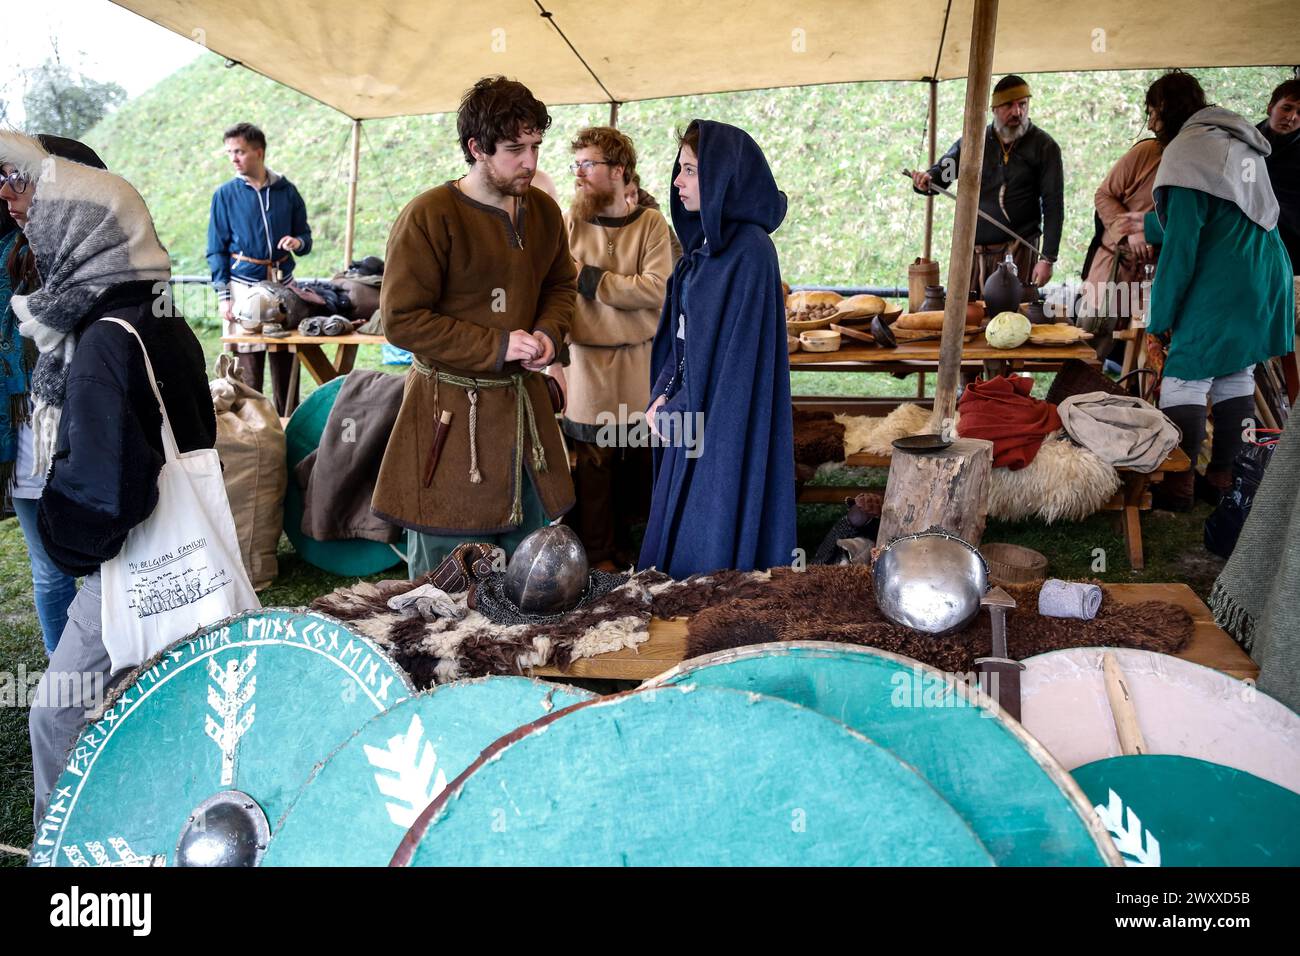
{"type": "Point", "coordinates": [800, 326]}
{"type": "Point", "coordinates": [1012, 564]}
{"type": "Point", "coordinates": [819, 341]}
{"type": "Point", "coordinates": [890, 316]}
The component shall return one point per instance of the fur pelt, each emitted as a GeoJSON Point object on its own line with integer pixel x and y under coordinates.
{"type": "Point", "coordinates": [818, 438]}
{"type": "Point", "coordinates": [875, 435]}
{"type": "Point", "coordinates": [838, 604]}
{"type": "Point", "coordinates": [446, 650]}
{"type": "Point", "coordinates": [1064, 482]}
{"type": "Point", "coordinates": [730, 609]}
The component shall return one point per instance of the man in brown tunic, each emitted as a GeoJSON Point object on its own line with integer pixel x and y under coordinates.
{"type": "Point", "coordinates": [624, 255]}
{"type": "Point", "coordinates": [480, 287]}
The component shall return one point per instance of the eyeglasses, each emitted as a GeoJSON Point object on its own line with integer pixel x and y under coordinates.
{"type": "Point", "coordinates": [16, 181]}
{"type": "Point", "coordinates": [586, 165]}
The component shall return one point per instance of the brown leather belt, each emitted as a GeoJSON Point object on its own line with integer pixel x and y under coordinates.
{"type": "Point", "coordinates": [269, 264]}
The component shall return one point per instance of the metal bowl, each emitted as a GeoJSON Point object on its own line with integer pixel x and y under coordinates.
{"type": "Point", "coordinates": [931, 582]}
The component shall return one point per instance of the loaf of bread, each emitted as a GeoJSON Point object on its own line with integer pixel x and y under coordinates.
{"type": "Point", "coordinates": [861, 305]}
{"type": "Point", "coordinates": [802, 301]}
{"type": "Point", "coordinates": [921, 321]}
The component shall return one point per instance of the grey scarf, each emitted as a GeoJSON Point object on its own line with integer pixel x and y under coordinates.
{"type": "Point", "coordinates": [1221, 153]}
{"type": "Point", "coordinates": [89, 231]}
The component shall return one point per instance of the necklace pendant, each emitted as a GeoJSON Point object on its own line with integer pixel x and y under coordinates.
{"type": "Point", "coordinates": [609, 246]}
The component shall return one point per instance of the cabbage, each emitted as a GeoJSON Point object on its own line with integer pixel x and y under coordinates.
{"type": "Point", "coordinates": [1007, 330]}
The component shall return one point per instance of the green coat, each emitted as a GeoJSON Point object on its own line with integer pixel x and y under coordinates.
{"type": "Point", "coordinates": [1223, 286]}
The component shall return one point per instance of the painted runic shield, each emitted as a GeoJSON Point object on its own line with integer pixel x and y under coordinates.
{"type": "Point", "coordinates": [252, 704]}
{"type": "Point", "coordinates": [383, 777]}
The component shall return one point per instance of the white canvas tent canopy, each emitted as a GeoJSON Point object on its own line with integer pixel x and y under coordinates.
{"type": "Point", "coordinates": [402, 57]}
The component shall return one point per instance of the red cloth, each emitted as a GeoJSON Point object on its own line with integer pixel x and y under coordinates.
{"type": "Point", "coordinates": [1001, 411]}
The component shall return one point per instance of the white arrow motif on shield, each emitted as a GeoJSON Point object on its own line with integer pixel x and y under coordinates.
{"type": "Point", "coordinates": [1126, 832]}
{"type": "Point", "coordinates": [411, 767]}
{"type": "Point", "coordinates": [230, 699]}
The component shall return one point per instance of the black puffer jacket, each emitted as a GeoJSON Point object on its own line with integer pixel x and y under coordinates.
{"type": "Point", "coordinates": [104, 479]}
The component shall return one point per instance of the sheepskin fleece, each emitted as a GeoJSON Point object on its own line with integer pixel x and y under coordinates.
{"type": "Point", "coordinates": [1064, 482]}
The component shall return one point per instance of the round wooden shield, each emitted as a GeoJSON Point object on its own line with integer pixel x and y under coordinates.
{"type": "Point", "coordinates": [689, 776]}
{"type": "Point", "coordinates": [1180, 811]}
{"type": "Point", "coordinates": [249, 705]}
{"type": "Point", "coordinates": [351, 558]}
{"type": "Point", "coordinates": [1020, 802]}
{"type": "Point", "coordinates": [1182, 708]}
{"type": "Point", "coordinates": [357, 806]}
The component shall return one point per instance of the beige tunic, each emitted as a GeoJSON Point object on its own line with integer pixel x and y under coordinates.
{"type": "Point", "coordinates": [457, 280]}
{"type": "Point", "coordinates": [1126, 189]}
{"type": "Point", "coordinates": [612, 332]}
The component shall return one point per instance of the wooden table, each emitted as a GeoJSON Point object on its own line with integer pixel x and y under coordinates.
{"type": "Point", "coordinates": [310, 350]}
{"type": "Point", "coordinates": [666, 646]}
{"type": "Point", "coordinates": [924, 356]}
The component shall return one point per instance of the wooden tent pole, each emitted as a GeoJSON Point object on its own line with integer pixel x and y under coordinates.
{"type": "Point", "coordinates": [613, 113]}
{"type": "Point", "coordinates": [353, 175]}
{"type": "Point", "coordinates": [978, 82]}
{"type": "Point", "coordinates": [929, 200]}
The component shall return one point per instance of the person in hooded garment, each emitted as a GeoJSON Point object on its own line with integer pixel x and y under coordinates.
{"type": "Point", "coordinates": [97, 427]}
{"type": "Point", "coordinates": [724, 459]}
{"type": "Point", "coordinates": [52, 589]}
{"type": "Point", "coordinates": [1223, 289]}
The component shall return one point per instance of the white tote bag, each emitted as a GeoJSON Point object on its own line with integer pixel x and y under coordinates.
{"type": "Point", "coordinates": [179, 569]}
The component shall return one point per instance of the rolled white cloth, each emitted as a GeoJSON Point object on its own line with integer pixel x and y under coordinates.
{"type": "Point", "coordinates": [1069, 599]}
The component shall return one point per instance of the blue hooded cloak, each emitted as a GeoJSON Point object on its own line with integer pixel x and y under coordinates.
{"type": "Point", "coordinates": [728, 501]}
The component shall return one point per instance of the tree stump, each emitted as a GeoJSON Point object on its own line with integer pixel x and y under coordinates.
{"type": "Point", "coordinates": [948, 489]}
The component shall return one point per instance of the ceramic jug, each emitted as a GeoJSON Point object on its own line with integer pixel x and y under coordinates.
{"type": "Point", "coordinates": [1002, 290]}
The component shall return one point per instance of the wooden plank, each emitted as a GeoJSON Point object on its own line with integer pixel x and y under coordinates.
{"type": "Point", "coordinates": [827, 494]}
{"type": "Point", "coordinates": [313, 358]}
{"type": "Point", "coordinates": [345, 357]}
{"type": "Point", "coordinates": [983, 33]}
{"type": "Point", "coordinates": [1210, 645]}
{"type": "Point", "coordinates": [852, 405]}
{"type": "Point", "coordinates": [1177, 461]}
{"type": "Point", "coordinates": [666, 646]}
{"type": "Point", "coordinates": [354, 338]}
{"type": "Point", "coordinates": [927, 353]}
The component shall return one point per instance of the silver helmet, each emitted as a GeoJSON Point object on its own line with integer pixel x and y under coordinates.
{"type": "Point", "coordinates": [931, 582]}
{"type": "Point", "coordinates": [548, 573]}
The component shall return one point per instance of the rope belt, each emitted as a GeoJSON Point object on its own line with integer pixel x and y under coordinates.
{"type": "Point", "coordinates": [523, 416]}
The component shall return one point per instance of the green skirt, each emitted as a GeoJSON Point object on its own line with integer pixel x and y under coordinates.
{"type": "Point", "coordinates": [426, 551]}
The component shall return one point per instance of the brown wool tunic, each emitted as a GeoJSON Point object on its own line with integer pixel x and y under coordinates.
{"type": "Point", "coordinates": [457, 281]}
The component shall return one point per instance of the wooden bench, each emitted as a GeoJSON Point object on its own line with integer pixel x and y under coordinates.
{"type": "Point", "coordinates": [666, 646]}
{"type": "Point", "coordinates": [1133, 497]}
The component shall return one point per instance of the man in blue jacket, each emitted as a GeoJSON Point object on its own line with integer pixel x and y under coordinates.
{"type": "Point", "coordinates": [258, 223]}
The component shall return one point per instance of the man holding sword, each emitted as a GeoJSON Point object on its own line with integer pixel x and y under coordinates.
{"type": "Point", "coordinates": [1022, 187]}
{"type": "Point", "coordinates": [258, 223]}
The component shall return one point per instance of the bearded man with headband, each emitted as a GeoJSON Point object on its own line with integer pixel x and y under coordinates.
{"type": "Point", "coordinates": [1022, 186]}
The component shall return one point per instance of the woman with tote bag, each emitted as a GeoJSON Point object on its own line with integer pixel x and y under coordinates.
{"type": "Point", "coordinates": [133, 499]}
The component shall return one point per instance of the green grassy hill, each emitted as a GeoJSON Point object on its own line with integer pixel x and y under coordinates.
{"type": "Point", "coordinates": [836, 150]}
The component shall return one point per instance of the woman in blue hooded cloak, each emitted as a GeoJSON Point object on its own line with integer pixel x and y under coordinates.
{"type": "Point", "coordinates": [724, 466]}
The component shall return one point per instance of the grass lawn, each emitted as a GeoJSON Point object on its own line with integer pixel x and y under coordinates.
{"type": "Point", "coordinates": [1174, 552]}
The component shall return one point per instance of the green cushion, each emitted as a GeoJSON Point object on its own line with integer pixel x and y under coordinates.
{"type": "Point", "coordinates": [355, 558]}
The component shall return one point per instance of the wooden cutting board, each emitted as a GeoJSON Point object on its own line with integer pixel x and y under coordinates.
{"type": "Point", "coordinates": [1058, 333]}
